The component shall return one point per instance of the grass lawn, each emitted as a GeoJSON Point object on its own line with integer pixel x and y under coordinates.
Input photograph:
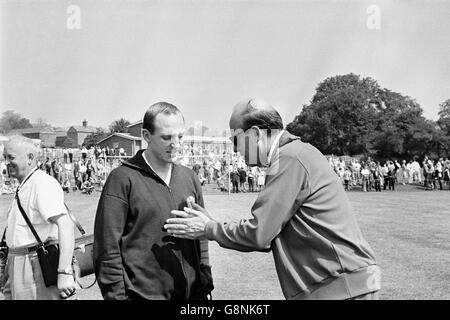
{"type": "Point", "coordinates": [408, 229]}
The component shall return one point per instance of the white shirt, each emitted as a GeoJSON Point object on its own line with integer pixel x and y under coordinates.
{"type": "Point", "coordinates": [275, 146]}
{"type": "Point", "coordinates": [169, 175]}
{"type": "Point", "coordinates": [41, 198]}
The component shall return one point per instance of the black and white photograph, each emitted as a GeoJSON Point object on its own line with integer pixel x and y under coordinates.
{"type": "Point", "coordinates": [224, 150]}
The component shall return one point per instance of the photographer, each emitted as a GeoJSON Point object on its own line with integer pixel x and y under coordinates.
{"type": "Point", "coordinates": [42, 200]}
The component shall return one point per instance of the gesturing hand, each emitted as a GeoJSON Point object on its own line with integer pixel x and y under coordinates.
{"type": "Point", "coordinates": [189, 224]}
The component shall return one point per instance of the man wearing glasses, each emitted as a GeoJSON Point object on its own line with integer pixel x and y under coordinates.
{"type": "Point", "coordinates": [303, 214]}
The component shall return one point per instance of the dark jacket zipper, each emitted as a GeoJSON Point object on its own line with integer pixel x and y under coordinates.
{"type": "Point", "coordinates": [186, 292]}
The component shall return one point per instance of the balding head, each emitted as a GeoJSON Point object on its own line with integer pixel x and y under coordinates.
{"type": "Point", "coordinates": [21, 155]}
{"type": "Point", "coordinates": [255, 112]}
{"type": "Point", "coordinates": [25, 144]}
{"type": "Point", "coordinates": [253, 125]}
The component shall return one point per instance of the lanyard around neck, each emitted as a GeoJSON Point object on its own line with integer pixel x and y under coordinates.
{"type": "Point", "coordinates": [26, 179]}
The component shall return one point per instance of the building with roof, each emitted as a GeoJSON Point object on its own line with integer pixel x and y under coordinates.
{"type": "Point", "coordinates": [117, 140]}
{"type": "Point", "coordinates": [61, 136]}
{"type": "Point", "coordinates": [46, 135]}
{"type": "Point", "coordinates": [78, 133]}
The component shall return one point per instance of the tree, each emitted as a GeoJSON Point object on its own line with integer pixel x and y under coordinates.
{"type": "Point", "coordinates": [342, 115]}
{"type": "Point", "coordinates": [350, 116]}
{"type": "Point", "coordinates": [94, 138]}
{"type": "Point", "coordinates": [444, 117]}
{"type": "Point", "coordinates": [119, 126]}
{"type": "Point", "coordinates": [41, 123]}
{"type": "Point", "coordinates": [11, 120]}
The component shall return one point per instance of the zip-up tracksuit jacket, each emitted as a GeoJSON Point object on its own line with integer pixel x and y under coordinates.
{"type": "Point", "coordinates": [134, 257]}
{"type": "Point", "coordinates": [304, 216]}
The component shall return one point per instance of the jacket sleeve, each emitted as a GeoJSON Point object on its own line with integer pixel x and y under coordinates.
{"type": "Point", "coordinates": [109, 224]}
{"type": "Point", "coordinates": [286, 188]}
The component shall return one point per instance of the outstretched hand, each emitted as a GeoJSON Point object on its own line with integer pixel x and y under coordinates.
{"type": "Point", "coordinates": [188, 224]}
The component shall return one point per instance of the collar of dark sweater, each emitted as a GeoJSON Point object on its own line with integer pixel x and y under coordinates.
{"type": "Point", "coordinates": [138, 163]}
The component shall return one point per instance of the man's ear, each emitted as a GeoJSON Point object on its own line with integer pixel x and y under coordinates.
{"type": "Point", "coordinates": [147, 136]}
{"type": "Point", "coordinates": [257, 132]}
{"type": "Point", "coordinates": [30, 158]}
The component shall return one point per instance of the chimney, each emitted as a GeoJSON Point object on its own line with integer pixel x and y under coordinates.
{"type": "Point", "coordinates": [85, 123]}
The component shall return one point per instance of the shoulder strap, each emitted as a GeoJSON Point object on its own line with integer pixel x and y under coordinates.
{"type": "Point", "coordinates": [27, 220]}
{"type": "Point", "coordinates": [75, 220]}
{"type": "Point", "coordinates": [3, 238]}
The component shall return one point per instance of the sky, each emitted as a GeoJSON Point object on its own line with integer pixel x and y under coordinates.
{"type": "Point", "coordinates": [104, 60]}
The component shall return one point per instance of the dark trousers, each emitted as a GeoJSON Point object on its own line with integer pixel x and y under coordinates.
{"type": "Point", "coordinates": [391, 183]}
{"type": "Point", "coordinates": [250, 185]}
{"type": "Point", "coordinates": [236, 186]}
{"type": "Point", "coordinates": [377, 185]}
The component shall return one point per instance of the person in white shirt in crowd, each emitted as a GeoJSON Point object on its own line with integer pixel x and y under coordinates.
{"type": "Point", "coordinates": [409, 170]}
{"type": "Point", "coordinates": [84, 153]}
{"type": "Point", "coordinates": [416, 174]}
{"type": "Point", "coordinates": [365, 178]}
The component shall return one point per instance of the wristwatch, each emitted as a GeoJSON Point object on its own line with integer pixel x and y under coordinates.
{"type": "Point", "coordinates": [68, 271]}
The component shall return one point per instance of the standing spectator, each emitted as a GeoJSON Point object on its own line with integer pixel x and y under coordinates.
{"type": "Point", "coordinates": [377, 176]}
{"type": "Point", "coordinates": [48, 166]}
{"type": "Point", "coordinates": [89, 169]}
{"type": "Point", "coordinates": [391, 176]}
{"type": "Point", "coordinates": [385, 173]}
{"type": "Point", "coordinates": [251, 180]}
{"type": "Point", "coordinates": [65, 155]}
{"type": "Point", "coordinates": [347, 176]}
{"type": "Point", "coordinates": [409, 170]}
{"type": "Point", "coordinates": [404, 173]}
{"type": "Point", "coordinates": [438, 174]}
{"type": "Point", "coordinates": [260, 179]}
{"type": "Point", "coordinates": [84, 153]}
{"type": "Point", "coordinates": [429, 174]}
{"type": "Point", "coordinates": [235, 178]}
{"type": "Point", "coordinates": [76, 174]}
{"type": "Point", "coordinates": [82, 170]}
{"type": "Point", "coordinates": [68, 169]}
{"type": "Point", "coordinates": [242, 178]}
{"type": "Point", "coordinates": [70, 153]}
{"type": "Point", "coordinates": [365, 173]}
{"type": "Point", "coordinates": [57, 170]}
{"type": "Point", "coordinates": [446, 172]}
{"type": "Point", "coordinates": [416, 176]}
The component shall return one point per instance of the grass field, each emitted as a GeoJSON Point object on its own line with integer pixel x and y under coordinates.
{"type": "Point", "coordinates": [408, 229]}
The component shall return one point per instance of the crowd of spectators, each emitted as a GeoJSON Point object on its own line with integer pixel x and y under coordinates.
{"type": "Point", "coordinates": [83, 170]}
{"type": "Point", "coordinates": [86, 170]}
{"type": "Point", "coordinates": [229, 172]}
{"type": "Point", "coordinates": [373, 175]}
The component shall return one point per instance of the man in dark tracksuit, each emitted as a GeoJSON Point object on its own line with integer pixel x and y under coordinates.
{"type": "Point", "coordinates": [134, 257]}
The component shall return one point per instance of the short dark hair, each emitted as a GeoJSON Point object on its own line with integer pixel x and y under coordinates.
{"type": "Point", "coordinates": [263, 118]}
{"type": "Point", "coordinates": [154, 110]}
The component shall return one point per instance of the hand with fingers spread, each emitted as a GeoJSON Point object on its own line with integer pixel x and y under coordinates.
{"type": "Point", "coordinates": [189, 224]}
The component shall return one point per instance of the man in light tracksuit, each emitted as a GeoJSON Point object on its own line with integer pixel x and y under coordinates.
{"type": "Point", "coordinates": [303, 215]}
